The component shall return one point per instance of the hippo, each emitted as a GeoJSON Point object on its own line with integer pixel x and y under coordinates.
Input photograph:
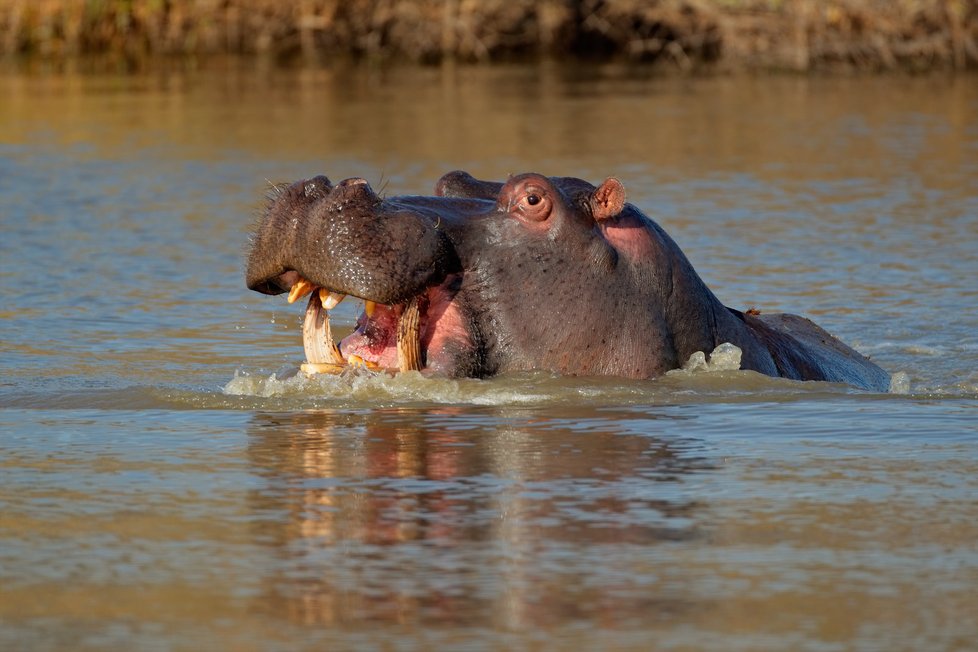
{"type": "Point", "coordinates": [534, 273]}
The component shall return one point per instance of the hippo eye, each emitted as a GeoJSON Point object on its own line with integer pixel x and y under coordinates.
{"type": "Point", "coordinates": [533, 204]}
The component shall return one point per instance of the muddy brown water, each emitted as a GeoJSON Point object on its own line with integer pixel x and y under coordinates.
{"type": "Point", "coordinates": [168, 482]}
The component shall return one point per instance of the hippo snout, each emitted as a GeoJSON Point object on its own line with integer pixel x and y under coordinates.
{"type": "Point", "coordinates": [345, 239]}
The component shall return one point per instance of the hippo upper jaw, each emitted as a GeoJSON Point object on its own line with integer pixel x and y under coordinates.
{"type": "Point", "coordinates": [347, 239]}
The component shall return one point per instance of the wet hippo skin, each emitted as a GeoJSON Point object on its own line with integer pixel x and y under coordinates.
{"type": "Point", "coordinates": [486, 277]}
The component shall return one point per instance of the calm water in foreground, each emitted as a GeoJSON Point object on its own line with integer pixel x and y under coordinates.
{"type": "Point", "coordinates": [167, 482]}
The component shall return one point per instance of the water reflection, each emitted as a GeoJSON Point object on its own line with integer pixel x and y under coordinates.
{"type": "Point", "coordinates": [468, 518]}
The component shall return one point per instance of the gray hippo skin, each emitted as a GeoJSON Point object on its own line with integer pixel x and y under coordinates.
{"type": "Point", "coordinates": [534, 273]}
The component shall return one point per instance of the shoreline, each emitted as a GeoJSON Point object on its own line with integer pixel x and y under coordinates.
{"type": "Point", "coordinates": [682, 36]}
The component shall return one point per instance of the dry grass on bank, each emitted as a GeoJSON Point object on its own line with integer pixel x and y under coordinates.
{"type": "Point", "coordinates": [680, 34]}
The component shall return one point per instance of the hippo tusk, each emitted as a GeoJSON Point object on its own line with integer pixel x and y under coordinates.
{"type": "Point", "coordinates": [409, 337]}
{"type": "Point", "coordinates": [322, 354]}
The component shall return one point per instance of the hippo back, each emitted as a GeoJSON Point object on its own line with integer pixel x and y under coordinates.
{"type": "Point", "coordinates": [802, 350]}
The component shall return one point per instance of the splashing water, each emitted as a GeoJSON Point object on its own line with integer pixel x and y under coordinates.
{"type": "Point", "coordinates": [725, 357]}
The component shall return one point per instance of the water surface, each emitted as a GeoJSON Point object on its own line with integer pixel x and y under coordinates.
{"type": "Point", "coordinates": [168, 482]}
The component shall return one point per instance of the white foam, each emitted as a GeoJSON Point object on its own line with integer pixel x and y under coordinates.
{"type": "Point", "coordinates": [900, 383]}
{"type": "Point", "coordinates": [246, 384]}
{"type": "Point", "coordinates": [359, 386]}
{"type": "Point", "coordinates": [725, 357]}
{"type": "Point", "coordinates": [717, 374]}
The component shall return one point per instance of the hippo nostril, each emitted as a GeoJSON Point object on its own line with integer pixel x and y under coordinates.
{"type": "Point", "coordinates": [353, 190]}
{"type": "Point", "coordinates": [316, 186]}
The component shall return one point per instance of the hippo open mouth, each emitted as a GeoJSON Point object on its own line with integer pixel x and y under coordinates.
{"type": "Point", "coordinates": [330, 242]}
{"type": "Point", "coordinates": [386, 337]}
{"type": "Point", "coordinates": [534, 273]}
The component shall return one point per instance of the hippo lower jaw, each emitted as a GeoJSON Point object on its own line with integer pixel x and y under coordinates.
{"type": "Point", "coordinates": [387, 337]}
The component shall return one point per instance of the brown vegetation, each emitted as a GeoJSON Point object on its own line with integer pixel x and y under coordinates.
{"type": "Point", "coordinates": [681, 34]}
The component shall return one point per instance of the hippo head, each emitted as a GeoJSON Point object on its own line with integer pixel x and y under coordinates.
{"type": "Point", "coordinates": [482, 278]}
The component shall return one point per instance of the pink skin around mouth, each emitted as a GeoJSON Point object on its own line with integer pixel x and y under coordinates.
{"type": "Point", "coordinates": [375, 338]}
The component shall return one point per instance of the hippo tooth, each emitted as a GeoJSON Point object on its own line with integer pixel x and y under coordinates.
{"type": "Point", "coordinates": [330, 299]}
{"type": "Point", "coordinates": [409, 337]}
{"type": "Point", "coordinates": [300, 288]}
{"type": "Point", "coordinates": [357, 361]}
{"type": "Point", "coordinates": [312, 368]}
{"type": "Point", "coordinates": [317, 340]}
{"type": "Point", "coordinates": [369, 307]}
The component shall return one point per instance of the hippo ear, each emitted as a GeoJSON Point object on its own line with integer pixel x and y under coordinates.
{"type": "Point", "coordinates": [608, 200]}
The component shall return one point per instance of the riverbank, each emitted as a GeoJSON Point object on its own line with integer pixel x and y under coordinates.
{"type": "Point", "coordinates": [680, 35]}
